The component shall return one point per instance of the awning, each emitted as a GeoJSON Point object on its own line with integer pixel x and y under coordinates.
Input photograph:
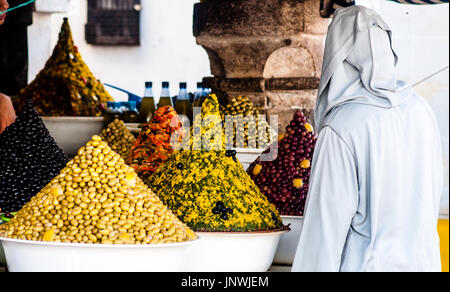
{"type": "Point", "coordinates": [421, 2]}
{"type": "Point", "coordinates": [328, 7]}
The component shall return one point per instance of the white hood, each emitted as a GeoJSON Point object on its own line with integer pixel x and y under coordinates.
{"type": "Point", "coordinates": [359, 64]}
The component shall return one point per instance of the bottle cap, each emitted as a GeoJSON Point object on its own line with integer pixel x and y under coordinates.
{"type": "Point", "coordinates": [148, 84]}
{"type": "Point", "coordinates": [165, 84]}
{"type": "Point", "coordinates": [199, 84]}
{"type": "Point", "coordinates": [183, 85]}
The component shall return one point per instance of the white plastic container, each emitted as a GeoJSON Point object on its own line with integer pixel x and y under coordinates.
{"type": "Point", "coordinates": [72, 133]}
{"type": "Point", "coordinates": [248, 156]}
{"type": "Point", "coordinates": [234, 252]}
{"type": "Point", "coordinates": [287, 248]}
{"type": "Point", "coordinates": [31, 256]}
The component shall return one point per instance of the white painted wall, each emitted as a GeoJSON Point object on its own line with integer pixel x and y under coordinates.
{"type": "Point", "coordinates": [421, 38]}
{"type": "Point", "coordinates": [168, 49]}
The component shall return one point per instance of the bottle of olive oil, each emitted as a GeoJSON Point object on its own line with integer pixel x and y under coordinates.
{"type": "Point", "coordinates": [112, 112]}
{"type": "Point", "coordinates": [131, 113]}
{"type": "Point", "coordinates": [148, 104]}
{"type": "Point", "coordinates": [183, 106]}
{"type": "Point", "coordinates": [198, 95]}
{"type": "Point", "coordinates": [165, 98]}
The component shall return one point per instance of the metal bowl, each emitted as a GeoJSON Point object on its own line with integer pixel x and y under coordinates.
{"type": "Point", "coordinates": [287, 248]}
{"type": "Point", "coordinates": [32, 256]}
{"type": "Point", "coordinates": [234, 252]}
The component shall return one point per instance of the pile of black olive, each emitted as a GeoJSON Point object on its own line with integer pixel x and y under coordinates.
{"type": "Point", "coordinates": [223, 211]}
{"type": "Point", "coordinates": [29, 160]}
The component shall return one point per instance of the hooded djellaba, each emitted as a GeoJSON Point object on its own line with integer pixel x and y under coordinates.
{"type": "Point", "coordinates": [377, 175]}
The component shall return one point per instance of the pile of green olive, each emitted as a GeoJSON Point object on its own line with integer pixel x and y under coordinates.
{"type": "Point", "coordinates": [246, 126]}
{"type": "Point", "coordinates": [119, 138]}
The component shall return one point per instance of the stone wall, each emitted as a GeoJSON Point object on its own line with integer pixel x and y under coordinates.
{"type": "Point", "coordinates": [270, 51]}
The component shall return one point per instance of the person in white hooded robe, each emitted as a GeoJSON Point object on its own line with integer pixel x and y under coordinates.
{"type": "Point", "coordinates": [377, 173]}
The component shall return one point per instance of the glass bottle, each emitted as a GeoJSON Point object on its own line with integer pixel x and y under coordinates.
{"type": "Point", "coordinates": [198, 95]}
{"type": "Point", "coordinates": [183, 106]}
{"type": "Point", "coordinates": [165, 98]}
{"type": "Point", "coordinates": [131, 114]}
{"type": "Point", "coordinates": [109, 115]}
{"type": "Point", "coordinates": [148, 104]}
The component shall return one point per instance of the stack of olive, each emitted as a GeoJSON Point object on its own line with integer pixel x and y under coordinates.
{"type": "Point", "coordinates": [285, 180]}
{"type": "Point", "coordinates": [255, 132]}
{"type": "Point", "coordinates": [119, 138]}
{"type": "Point", "coordinates": [29, 160]}
{"type": "Point", "coordinates": [97, 199]}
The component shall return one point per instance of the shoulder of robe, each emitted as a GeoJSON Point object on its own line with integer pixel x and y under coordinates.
{"type": "Point", "coordinates": [353, 119]}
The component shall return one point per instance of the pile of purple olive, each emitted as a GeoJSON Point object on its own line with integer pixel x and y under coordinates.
{"type": "Point", "coordinates": [29, 160]}
{"type": "Point", "coordinates": [284, 181]}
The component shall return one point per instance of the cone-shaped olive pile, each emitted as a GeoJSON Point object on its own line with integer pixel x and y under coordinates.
{"type": "Point", "coordinates": [253, 131]}
{"type": "Point", "coordinates": [29, 160]}
{"type": "Point", "coordinates": [207, 188]}
{"type": "Point", "coordinates": [97, 198]}
{"type": "Point", "coordinates": [285, 180]}
{"type": "Point", "coordinates": [66, 86]}
{"type": "Point", "coordinates": [119, 138]}
{"type": "Point", "coordinates": [153, 145]}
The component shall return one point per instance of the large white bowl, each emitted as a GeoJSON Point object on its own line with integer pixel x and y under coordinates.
{"type": "Point", "coordinates": [72, 133]}
{"type": "Point", "coordinates": [287, 248]}
{"type": "Point", "coordinates": [233, 252]}
{"type": "Point", "coordinates": [31, 256]}
{"type": "Point", "coordinates": [248, 156]}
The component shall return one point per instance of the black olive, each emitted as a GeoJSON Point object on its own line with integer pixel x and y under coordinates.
{"type": "Point", "coordinates": [220, 205]}
{"type": "Point", "coordinates": [224, 216]}
{"type": "Point", "coordinates": [180, 166]}
{"type": "Point", "coordinates": [29, 160]}
{"type": "Point", "coordinates": [216, 211]}
{"type": "Point", "coordinates": [274, 217]}
{"type": "Point", "coordinates": [230, 153]}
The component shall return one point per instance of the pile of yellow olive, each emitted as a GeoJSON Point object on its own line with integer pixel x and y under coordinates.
{"type": "Point", "coordinates": [97, 198]}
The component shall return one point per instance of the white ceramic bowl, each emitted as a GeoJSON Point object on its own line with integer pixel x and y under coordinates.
{"type": "Point", "coordinates": [233, 252]}
{"type": "Point", "coordinates": [248, 156]}
{"type": "Point", "coordinates": [31, 256]}
{"type": "Point", "coordinates": [287, 248]}
{"type": "Point", "coordinates": [72, 133]}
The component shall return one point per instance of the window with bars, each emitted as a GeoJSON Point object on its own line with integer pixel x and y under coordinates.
{"type": "Point", "coordinates": [113, 22]}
